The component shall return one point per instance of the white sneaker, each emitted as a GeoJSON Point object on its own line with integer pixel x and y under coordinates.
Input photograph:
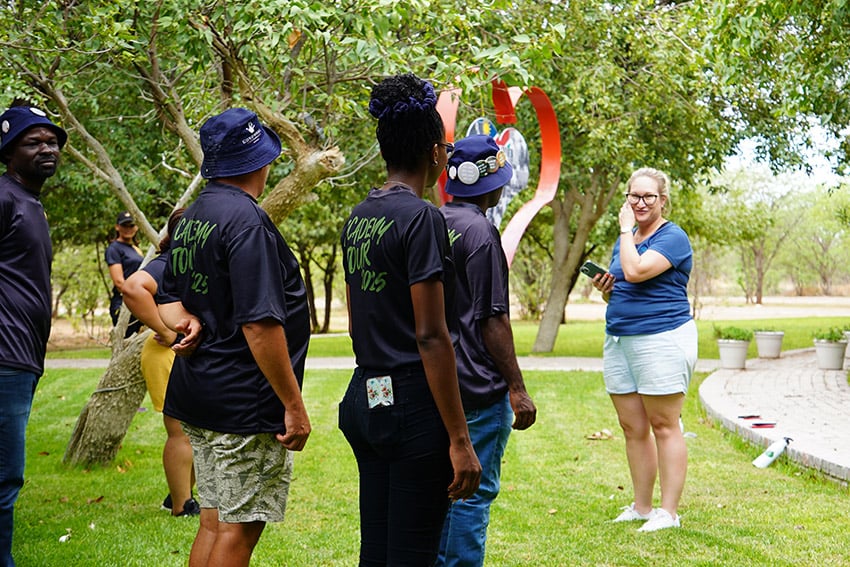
{"type": "Point", "coordinates": [660, 520]}
{"type": "Point", "coordinates": [629, 514]}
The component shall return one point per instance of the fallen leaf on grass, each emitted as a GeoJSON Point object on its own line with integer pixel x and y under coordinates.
{"type": "Point", "coordinates": [95, 500]}
{"type": "Point", "coordinates": [600, 435]}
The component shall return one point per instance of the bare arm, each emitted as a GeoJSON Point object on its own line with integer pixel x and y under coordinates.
{"type": "Point", "coordinates": [116, 272]}
{"type": "Point", "coordinates": [438, 358]}
{"type": "Point", "coordinates": [637, 267]}
{"type": "Point", "coordinates": [267, 342]}
{"type": "Point", "coordinates": [139, 291]}
{"type": "Point", "coordinates": [640, 267]}
{"type": "Point", "coordinates": [176, 318]}
{"type": "Point", "coordinates": [499, 340]}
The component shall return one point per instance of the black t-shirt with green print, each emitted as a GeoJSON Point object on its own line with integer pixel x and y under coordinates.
{"type": "Point", "coordinates": [392, 240]}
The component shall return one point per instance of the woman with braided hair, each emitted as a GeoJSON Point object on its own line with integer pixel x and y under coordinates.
{"type": "Point", "coordinates": [402, 413]}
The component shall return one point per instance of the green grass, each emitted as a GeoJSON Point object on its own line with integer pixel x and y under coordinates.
{"type": "Point", "coordinates": [579, 338]}
{"type": "Point", "coordinates": [558, 491]}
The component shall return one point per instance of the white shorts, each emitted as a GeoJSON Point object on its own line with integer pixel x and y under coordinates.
{"type": "Point", "coordinates": [652, 365]}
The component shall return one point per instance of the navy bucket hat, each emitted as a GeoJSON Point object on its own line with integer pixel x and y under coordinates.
{"type": "Point", "coordinates": [477, 166]}
{"type": "Point", "coordinates": [18, 119]}
{"type": "Point", "coordinates": [235, 143]}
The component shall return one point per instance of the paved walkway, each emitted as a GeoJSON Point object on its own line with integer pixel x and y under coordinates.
{"type": "Point", "coordinates": [809, 405]}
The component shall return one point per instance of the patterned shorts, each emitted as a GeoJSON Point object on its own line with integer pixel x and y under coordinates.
{"type": "Point", "coordinates": [246, 477]}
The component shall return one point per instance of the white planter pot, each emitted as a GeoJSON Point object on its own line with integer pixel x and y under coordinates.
{"type": "Point", "coordinates": [733, 354]}
{"type": "Point", "coordinates": [769, 343]}
{"type": "Point", "coordinates": [830, 354]}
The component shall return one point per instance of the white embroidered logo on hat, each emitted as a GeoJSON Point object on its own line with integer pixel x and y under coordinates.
{"type": "Point", "coordinates": [37, 111]}
{"type": "Point", "coordinates": [5, 126]}
{"type": "Point", "coordinates": [254, 132]}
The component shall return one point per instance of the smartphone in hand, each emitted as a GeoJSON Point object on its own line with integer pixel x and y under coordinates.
{"type": "Point", "coordinates": [590, 269]}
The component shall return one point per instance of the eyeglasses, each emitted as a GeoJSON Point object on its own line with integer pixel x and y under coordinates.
{"type": "Point", "coordinates": [450, 148]}
{"type": "Point", "coordinates": [648, 199]}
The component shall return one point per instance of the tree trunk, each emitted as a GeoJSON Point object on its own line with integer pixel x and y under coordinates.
{"type": "Point", "coordinates": [104, 420]}
{"type": "Point", "coordinates": [304, 260]}
{"type": "Point", "coordinates": [328, 280]}
{"type": "Point", "coordinates": [569, 251]}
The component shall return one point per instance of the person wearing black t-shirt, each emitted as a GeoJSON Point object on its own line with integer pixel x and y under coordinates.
{"type": "Point", "coordinates": [238, 394]}
{"type": "Point", "coordinates": [29, 147]}
{"type": "Point", "coordinates": [494, 396]}
{"type": "Point", "coordinates": [123, 257]}
{"type": "Point", "coordinates": [157, 360]}
{"type": "Point", "coordinates": [402, 413]}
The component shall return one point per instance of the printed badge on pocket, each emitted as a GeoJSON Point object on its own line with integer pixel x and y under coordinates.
{"type": "Point", "coordinates": [379, 391]}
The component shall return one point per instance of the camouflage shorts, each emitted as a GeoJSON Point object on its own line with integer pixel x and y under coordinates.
{"type": "Point", "coordinates": [245, 476]}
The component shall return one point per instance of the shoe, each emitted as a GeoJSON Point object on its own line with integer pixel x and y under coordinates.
{"type": "Point", "coordinates": [166, 504]}
{"type": "Point", "coordinates": [661, 520]}
{"type": "Point", "coordinates": [190, 508]}
{"type": "Point", "coordinates": [629, 514]}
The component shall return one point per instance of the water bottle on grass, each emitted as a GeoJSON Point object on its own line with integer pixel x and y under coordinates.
{"type": "Point", "coordinates": [771, 453]}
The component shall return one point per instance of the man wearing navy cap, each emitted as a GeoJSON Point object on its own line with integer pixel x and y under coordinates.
{"type": "Point", "coordinates": [491, 385]}
{"type": "Point", "coordinates": [29, 146]}
{"type": "Point", "coordinates": [238, 395]}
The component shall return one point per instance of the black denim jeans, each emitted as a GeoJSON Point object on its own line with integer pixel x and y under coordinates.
{"type": "Point", "coordinates": [402, 454]}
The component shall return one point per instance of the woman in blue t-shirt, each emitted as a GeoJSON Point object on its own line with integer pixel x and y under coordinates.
{"type": "Point", "coordinates": [650, 346]}
{"type": "Point", "coordinates": [402, 412]}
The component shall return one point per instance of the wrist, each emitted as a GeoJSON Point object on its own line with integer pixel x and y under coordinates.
{"type": "Point", "coordinates": [625, 230]}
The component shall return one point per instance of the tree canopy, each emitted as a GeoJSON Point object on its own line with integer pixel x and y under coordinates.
{"type": "Point", "coordinates": [672, 84]}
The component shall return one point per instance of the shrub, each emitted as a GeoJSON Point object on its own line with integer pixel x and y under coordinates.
{"type": "Point", "coordinates": [830, 334]}
{"type": "Point", "coordinates": [733, 333]}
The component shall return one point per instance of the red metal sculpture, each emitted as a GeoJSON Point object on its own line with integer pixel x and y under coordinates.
{"type": "Point", "coordinates": [504, 101]}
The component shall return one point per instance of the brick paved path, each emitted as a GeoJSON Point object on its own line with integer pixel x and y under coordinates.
{"type": "Point", "coordinates": [809, 405]}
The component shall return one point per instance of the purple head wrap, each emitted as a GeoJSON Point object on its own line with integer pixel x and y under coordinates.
{"type": "Point", "coordinates": [428, 101]}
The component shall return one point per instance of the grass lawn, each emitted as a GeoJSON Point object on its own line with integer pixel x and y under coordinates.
{"type": "Point", "coordinates": [558, 491]}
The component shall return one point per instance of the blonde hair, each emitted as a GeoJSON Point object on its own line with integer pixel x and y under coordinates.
{"type": "Point", "coordinates": [661, 180]}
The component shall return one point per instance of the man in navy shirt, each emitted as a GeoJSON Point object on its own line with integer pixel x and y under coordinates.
{"type": "Point", "coordinates": [29, 146]}
{"type": "Point", "coordinates": [491, 384]}
{"type": "Point", "coordinates": [238, 395]}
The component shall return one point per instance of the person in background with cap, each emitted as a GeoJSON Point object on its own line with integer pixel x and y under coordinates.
{"type": "Point", "coordinates": [156, 361]}
{"type": "Point", "coordinates": [29, 147]}
{"type": "Point", "coordinates": [491, 385]}
{"type": "Point", "coordinates": [238, 395]}
{"type": "Point", "coordinates": [123, 257]}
